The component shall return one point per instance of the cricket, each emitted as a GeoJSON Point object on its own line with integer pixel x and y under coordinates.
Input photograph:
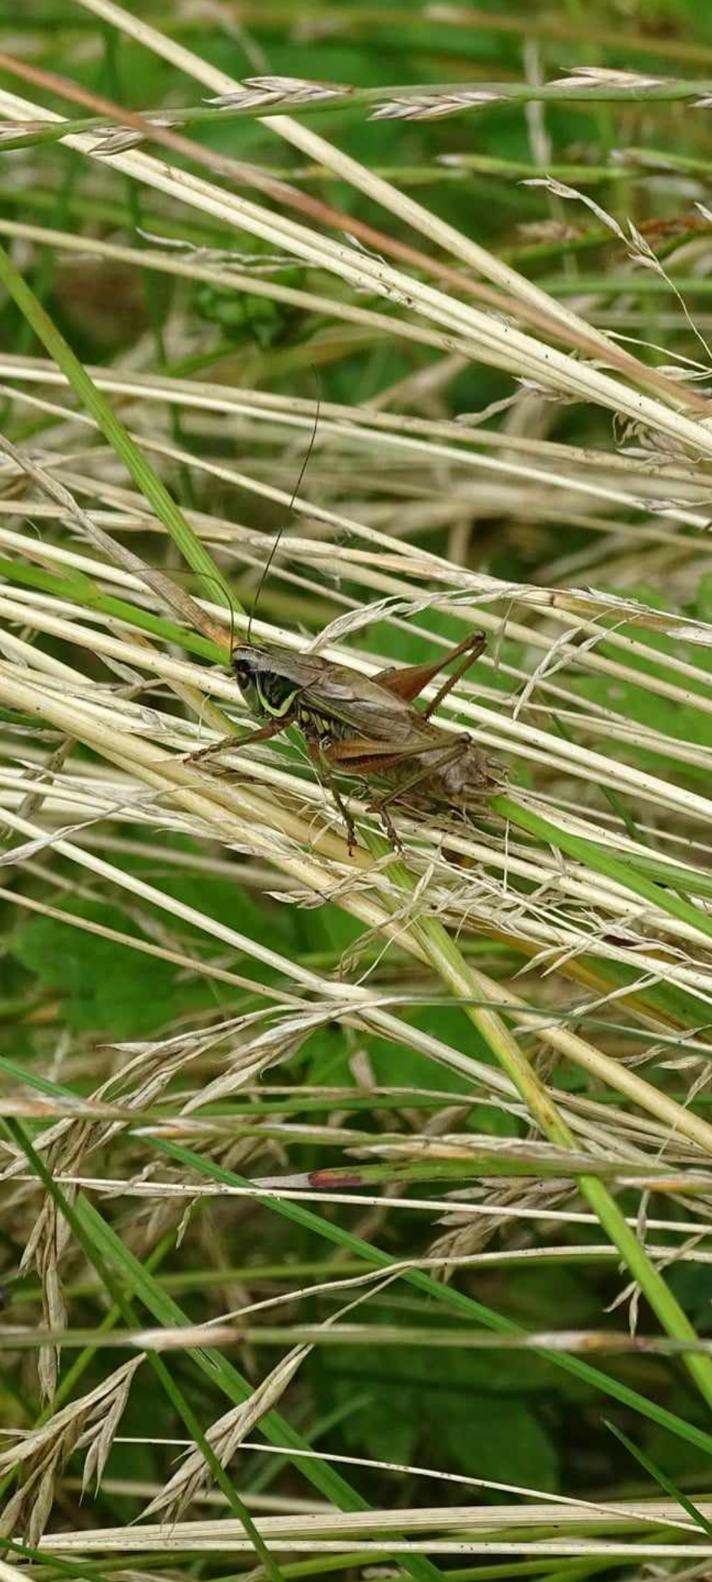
{"type": "Point", "coordinates": [366, 728]}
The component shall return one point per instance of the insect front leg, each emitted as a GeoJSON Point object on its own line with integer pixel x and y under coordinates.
{"type": "Point", "coordinates": [320, 760]}
{"type": "Point", "coordinates": [233, 743]}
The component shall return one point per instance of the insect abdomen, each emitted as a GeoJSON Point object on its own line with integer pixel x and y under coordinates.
{"type": "Point", "coordinates": [317, 726]}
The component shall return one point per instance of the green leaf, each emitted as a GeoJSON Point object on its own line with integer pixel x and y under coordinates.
{"type": "Point", "coordinates": [105, 987]}
{"type": "Point", "coordinates": [479, 1419]}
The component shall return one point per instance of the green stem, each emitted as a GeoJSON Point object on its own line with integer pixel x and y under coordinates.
{"type": "Point", "coordinates": [445, 1295]}
{"type": "Point", "coordinates": [175, 1395]}
{"type": "Point", "coordinates": [152, 487]}
{"type": "Point", "coordinates": [600, 858]}
{"type": "Point", "coordinates": [389, 102]}
{"type": "Point", "coordinates": [466, 982]}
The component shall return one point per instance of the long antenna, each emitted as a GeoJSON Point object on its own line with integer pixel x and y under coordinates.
{"type": "Point", "coordinates": [278, 536]}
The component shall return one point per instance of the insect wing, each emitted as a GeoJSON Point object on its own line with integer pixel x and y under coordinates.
{"type": "Point", "coordinates": [335, 694]}
{"type": "Point", "coordinates": [363, 707]}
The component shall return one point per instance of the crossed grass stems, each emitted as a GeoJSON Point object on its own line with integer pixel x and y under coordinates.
{"type": "Point", "coordinates": [397, 913]}
{"type": "Point", "coordinates": [79, 733]}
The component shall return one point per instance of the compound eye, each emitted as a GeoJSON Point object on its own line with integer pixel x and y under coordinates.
{"type": "Point", "coordinates": [242, 673]}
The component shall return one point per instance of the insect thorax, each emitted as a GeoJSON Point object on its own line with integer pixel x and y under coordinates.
{"type": "Point", "coordinates": [273, 694]}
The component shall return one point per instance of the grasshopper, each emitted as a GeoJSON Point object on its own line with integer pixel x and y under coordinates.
{"type": "Point", "coordinates": [368, 728]}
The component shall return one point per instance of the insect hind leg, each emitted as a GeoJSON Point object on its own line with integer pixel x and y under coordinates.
{"type": "Point", "coordinates": [471, 648]}
{"type": "Point", "coordinates": [407, 681]}
{"type": "Point", "coordinates": [449, 755]}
